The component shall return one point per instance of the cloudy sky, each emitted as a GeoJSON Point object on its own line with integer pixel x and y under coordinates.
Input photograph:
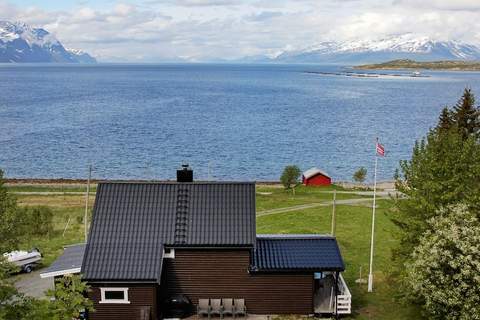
{"type": "Point", "coordinates": [156, 30]}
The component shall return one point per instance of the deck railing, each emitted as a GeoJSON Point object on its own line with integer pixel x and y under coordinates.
{"type": "Point", "coordinates": [344, 297]}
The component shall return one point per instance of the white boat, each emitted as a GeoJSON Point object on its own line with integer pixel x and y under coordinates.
{"type": "Point", "coordinates": [24, 259]}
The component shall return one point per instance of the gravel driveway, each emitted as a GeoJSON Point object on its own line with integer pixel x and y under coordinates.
{"type": "Point", "coordinates": [32, 285]}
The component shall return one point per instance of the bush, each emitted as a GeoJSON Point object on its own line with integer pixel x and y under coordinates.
{"type": "Point", "coordinates": [69, 298]}
{"type": "Point", "coordinates": [39, 221]}
{"type": "Point", "coordinates": [444, 271]}
{"type": "Point", "coordinates": [360, 175]}
{"type": "Point", "coordinates": [290, 176]}
{"type": "Point", "coordinates": [79, 219]}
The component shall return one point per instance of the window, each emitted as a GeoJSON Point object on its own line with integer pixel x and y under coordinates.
{"type": "Point", "coordinates": [114, 295]}
{"type": "Point", "coordinates": [169, 253]}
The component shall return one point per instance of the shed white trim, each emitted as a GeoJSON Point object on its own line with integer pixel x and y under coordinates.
{"type": "Point", "coordinates": [59, 273]}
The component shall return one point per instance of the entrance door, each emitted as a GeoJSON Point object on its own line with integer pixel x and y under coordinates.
{"type": "Point", "coordinates": [324, 296]}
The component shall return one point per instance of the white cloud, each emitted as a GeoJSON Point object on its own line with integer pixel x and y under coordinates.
{"type": "Point", "coordinates": [203, 29]}
{"type": "Point", "coordinates": [200, 3]}
{"type": "Point", "coordinates": [449, 5]}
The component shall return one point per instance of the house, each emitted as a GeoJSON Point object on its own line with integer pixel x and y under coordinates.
{"type": "Point", "coordinates": [316, 177]}
{"type": "Point", "coordinates": [152, 241]}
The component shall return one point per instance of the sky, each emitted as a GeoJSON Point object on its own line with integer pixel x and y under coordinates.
{"type": "Point", "coordinates": [203, 30]}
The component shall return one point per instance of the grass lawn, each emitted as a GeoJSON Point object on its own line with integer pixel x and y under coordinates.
{"type": "Point", "coordinates": [353, 233]}
{"type": "Point", "coordinates": [49, 187]}
{"type": "Point", "coordinates": [275, 197]}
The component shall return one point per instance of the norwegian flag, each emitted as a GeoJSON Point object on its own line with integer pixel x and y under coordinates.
{"type": "Point", "coordinates": [380, 150]}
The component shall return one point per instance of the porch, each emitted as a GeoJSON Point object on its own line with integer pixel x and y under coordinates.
{"type": "Point", "coordinates": [324, 297]}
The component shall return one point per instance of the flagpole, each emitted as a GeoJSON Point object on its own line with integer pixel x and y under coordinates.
{"type": "Point", "coordinates": [370, 275]}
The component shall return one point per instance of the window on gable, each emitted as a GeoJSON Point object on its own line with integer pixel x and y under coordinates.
{"type": "Point", "coordinates": [114, 295]}
{"type": "Point", "coordinates": [169, 253]}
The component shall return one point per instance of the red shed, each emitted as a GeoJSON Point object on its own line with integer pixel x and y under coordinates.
{"type": "Point", "coordinates": [316, 177]}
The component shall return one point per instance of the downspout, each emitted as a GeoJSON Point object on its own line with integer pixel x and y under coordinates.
{"type": "Point", "coordinates": [336, 294]}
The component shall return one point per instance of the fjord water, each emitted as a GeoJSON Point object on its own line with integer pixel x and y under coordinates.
{"type": "Point", "coordinates": [230, 122]}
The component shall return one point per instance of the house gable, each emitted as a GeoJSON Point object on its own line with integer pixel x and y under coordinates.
{"type": "Point", "coordinates": [132, 222]}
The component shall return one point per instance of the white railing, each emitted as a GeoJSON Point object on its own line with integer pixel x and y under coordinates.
{"type": "Point", "coordinates": [344, 298]}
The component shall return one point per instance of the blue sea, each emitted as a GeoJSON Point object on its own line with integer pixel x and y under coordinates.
{"type": "Point", "coordinates": [229, 122]}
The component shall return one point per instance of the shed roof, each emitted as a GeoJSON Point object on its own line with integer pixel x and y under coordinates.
{"type": "Point", "coordinates": [313, 172]}
{"type": "Point", "coordinates": [133, 221]}
{"type": "Point", "coordinates": [283, 253]}
{"type": "Point", "coordinates": [69, 262]}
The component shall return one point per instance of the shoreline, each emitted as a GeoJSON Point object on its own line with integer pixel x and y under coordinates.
{"type": "Point", "coordinates": [14, 182]}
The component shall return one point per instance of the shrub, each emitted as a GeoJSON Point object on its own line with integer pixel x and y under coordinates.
{"type": "Point", "coordinates": [39, 221]}
{"type": "Point", "coordinates": [444, 271]}
{"type": "Point", "coordinates": [69, 298]}
{"type": "Point", "coordinates": [360, 175]}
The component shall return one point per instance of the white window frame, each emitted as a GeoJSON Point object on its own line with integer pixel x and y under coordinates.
{"type": "Point", "coordinates": [170, 254]}
{"type": "Point", "coordinates": [123, 301]}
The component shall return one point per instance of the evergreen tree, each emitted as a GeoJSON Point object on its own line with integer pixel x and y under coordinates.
{"type": "Point", "coordinates": [444, 170]}
{"type": "Point", "coordinates": [466, 116]}
{"type": "Point", "coordinates": [445, 123]}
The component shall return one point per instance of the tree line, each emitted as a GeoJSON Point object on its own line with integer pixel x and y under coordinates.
{"type": "Point", "coordinates": [16, 225]}
{"type": "Point", "coordinates": [438, 259]}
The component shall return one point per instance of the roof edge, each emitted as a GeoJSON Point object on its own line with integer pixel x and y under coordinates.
{"type": "Point", "coordinates": [292, 270]}
{"type": "Point", "coordinates": [63, 272]}
{"type": "Point", "coordinates": [173, 182]}
{"type": "Point", "coordinates": [295, 236]}
{"type": "Point", "coordinates": [116, 281]}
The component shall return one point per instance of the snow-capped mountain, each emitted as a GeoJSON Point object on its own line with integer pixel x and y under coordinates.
{"type": "Point", "coordinates": [21, 43]}
{"type": "Point", "coordinates": [81, 56]}
{"type": "Point", "coordinates": [404, 46]}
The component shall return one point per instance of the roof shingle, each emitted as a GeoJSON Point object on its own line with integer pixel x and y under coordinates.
{"type": "Point", "coordinates": [132, 222]}
{"type": "Point", "coordinates": [297, 253]}
{"type": "Point", "coordinates": [69, 262]}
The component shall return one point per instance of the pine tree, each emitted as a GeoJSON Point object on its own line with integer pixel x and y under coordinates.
{"type": "Point", "coordinates": [444, 170]}
{"type": "Point", "coordinates": [445, 122]}
{"type": "Point", "coordinates": [467, 116]}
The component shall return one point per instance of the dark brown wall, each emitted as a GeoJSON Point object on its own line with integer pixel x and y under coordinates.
{"type": "Point", "coordinates": [139, 296]}
{"type": "Point", "coordinates": [224, 274]}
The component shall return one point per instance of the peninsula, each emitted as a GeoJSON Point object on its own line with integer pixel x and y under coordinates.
{"type": "Point", "coordinates": [430, 65]}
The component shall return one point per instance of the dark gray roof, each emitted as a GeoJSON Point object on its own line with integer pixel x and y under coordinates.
{"type": "Point", "coordinates": [297, 253]}
{"type": "Point", "coordinates": [132, 222]}
{"type": "Point", "coordinates": [69, 262]}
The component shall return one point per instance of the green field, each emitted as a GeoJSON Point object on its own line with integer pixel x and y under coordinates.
{"type": "Point", "coordinates": [353, 234]}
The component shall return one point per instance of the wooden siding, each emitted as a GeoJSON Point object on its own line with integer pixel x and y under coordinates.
{"type": "Point", "coordinates": [207, 273]}
{"type": "Point", "coordinates": [317, 180]}
{"type": "Point", "coordinates": [139, 295]}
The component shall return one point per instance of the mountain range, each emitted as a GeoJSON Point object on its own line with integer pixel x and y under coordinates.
{"type": "Point", "coordinates": [406, 46]}
{"type": "Point", "coordinates": [21, 43]}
